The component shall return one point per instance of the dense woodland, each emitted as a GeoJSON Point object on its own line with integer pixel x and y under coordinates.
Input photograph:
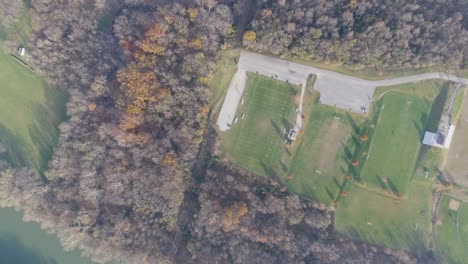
{"type": "Point", "coordinates": [383, 33]}
{"type": "Point", "coordinates": [120, 182]}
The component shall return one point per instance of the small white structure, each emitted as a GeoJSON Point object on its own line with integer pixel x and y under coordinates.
{"type": "Point", "coordinates": [439, 140]}
{"type": "Point", "coordinates": [292, 134]}
{"type": "Point", "coordinates": [21, 51]}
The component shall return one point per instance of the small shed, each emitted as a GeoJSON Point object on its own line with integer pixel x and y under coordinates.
{"type": "Point", "coordinates": [21, 51]}
{"type": "Point", "coordinates": [431, 139]}
{"type": "Point", "coordinates": [292, 135]}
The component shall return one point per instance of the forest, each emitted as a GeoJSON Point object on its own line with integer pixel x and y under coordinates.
{"type": "Point", "coordinates": [134, 177]}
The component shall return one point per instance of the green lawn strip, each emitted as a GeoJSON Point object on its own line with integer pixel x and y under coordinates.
{"type": "Point", "coordinates": [30, 112]}
{"type": "Point", "coordinates": [369, 216]}
{"type": "Point", "coordinates": [452, 233]}
{"type": "Point", "coordinates": [396, 142]}
{"type": "Point", "coordinates": [457, 107]}
{"type": "Point", "coordinates": [256, 141]}
{"type": "Point", "coordinates": [428, 89]}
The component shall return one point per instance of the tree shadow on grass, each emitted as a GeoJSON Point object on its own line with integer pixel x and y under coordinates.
{"type": "Point", "coordinates": [329, 193]}
{"type": "Point", "coordinates": [393, 187]}
{"type": "Point", "coordinates": [44, 133]}
{"type": "Point", "coordinates": [270, 172]}
{"type": "Point", "coordinates": [276, 128]}
{"type": "Point", "coordinates": [340, 186]}
{"type": "Point", "coordinates": [348, 153]}
{"type": "Point", "coordinates": [381, 182]}
{"type": "Point", "coordinates": [437, 111]}
{"type": "Point", "coordinates": [421, 156]}
{"type": "Point", "coordinates": [353, 123]}
{"type": "Point", "coordinates": [419, 128]}
{"type": "Point", "coordinates": [286, 124]}
{"type": "Point", "coordinates": [283, 166]}
{"type": "Point", "coordinates": [16, 152]}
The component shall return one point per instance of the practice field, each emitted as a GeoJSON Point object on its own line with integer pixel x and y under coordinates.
{"type": "Point", "coordinates": [372, 211]}
{"type": "Point", "coordinates": [256, 142]}
{"type": "Point", "coordinates": [452, 230]}
{"type": "Point", "coordinates": [30, 112]}
{"type": "Point", "coordinates": [370, 216]}
{"type": "Point", "coordinates": [323, 154]}
{"type": "Point", "coordinates": [396, 141]}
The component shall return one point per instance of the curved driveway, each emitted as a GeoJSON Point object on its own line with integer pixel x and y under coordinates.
{"type": "Point", "coordinates": [336, 89]}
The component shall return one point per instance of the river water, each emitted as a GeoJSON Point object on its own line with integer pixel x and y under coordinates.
{"type": "Point", "coordinates": [26, 243]}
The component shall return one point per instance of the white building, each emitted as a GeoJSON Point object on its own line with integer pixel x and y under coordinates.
{"type": "Point", "coordinates": [439, 140]}
{"type": "Point", "coordinates": [21, 51]}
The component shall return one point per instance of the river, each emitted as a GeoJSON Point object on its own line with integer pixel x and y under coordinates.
{"type": "Point", "coordinates": [26, 243]}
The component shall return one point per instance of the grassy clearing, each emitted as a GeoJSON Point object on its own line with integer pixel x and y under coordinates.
{"type": "Point", "coordinates": [256, 142]}
{"type": "Point", "coordinates": [30, 111]}
{"type": "Point", "coordinates": [452, 232]}
{"type": "Point", "coordinates": [402, 123]}
{"type": "Point", "coordinates": [369, 216]}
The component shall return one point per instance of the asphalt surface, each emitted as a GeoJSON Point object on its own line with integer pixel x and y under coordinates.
{"type": "Point", "coordinates": [336, 89]}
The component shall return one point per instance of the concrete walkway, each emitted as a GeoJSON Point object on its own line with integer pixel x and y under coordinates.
{"type": "Point", "coordinates": [336, 89]}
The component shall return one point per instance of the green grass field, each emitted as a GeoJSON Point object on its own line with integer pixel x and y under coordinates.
{"type": "Point", "coordinates": [30, 112]}
{"type": "Point", "coordinates": [256, 141]}
{"type": "Point", "coordinates": [396, 141]}
{"type": "Point", "coordinates": [370, 216]}
{"type": "Point", "coordinates": [373, 212]}
{"type": "Point", "coordinates": [321, 159]}
{"type": "Point", "coordinates": [315, 165]}
{"type": "Point", "coordinates": [452, 232]}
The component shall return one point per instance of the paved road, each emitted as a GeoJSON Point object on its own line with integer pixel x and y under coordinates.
{"type": "Point", "coordinates": [336, 89]}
